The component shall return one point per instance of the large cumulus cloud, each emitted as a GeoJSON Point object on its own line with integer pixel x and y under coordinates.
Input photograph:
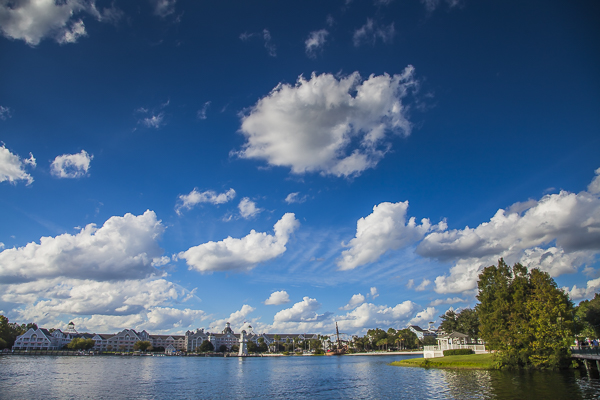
{"type": "Point", "coordinates": [386, 228]}
{"type": "Point", "coordinates": [123, 248]}
{"type": "Point", "coordinates": [335, 126]}
{"type": "Point", "coordinates": [241, 254]}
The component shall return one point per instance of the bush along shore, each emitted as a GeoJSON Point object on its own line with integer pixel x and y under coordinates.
{"type": "Point", "coordinates": [471, 361]}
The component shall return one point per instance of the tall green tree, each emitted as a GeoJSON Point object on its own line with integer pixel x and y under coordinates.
{"type": "Point", "coordinates": [466, 321]}
{"type": "Point", "coordinates": [10, 331]}
{"type": "Point", "coordinates": [206, 346]}
{"type": "Point", "coordinates": [588, 317]}
{"type": "Point", "coordinates": [524, 316]}
{"type": "Point", "coordinates": [143, 345]}
{"type": "Point", "coordinates": [81, 344]}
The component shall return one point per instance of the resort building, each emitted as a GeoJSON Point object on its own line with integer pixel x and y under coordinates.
{"type": "Point", "coordinates": [423, 333]}
{"type": "Point", "coordinates": [124, 341]}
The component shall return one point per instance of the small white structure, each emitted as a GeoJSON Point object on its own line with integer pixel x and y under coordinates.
{"type": "Point", "coordinates": [243, 345]}
{"type": "Point", "coordinates": [453, 341]}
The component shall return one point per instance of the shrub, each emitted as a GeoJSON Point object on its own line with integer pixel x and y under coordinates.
{"type": "Point", "coordinates": [458, 352]}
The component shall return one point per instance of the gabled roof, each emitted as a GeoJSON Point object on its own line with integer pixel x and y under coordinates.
{"type": "Point", "coordinates": [454, 335]}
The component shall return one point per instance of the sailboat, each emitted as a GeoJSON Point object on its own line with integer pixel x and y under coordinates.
{"type": "Point", "coordinates": [339, 350]}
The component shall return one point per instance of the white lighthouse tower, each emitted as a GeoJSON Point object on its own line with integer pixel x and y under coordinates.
{"type": "Point", "coordinates": [243, 345]}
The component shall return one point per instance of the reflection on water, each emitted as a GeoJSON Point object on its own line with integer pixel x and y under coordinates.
{"type": "Point", "coordinates": [361, 377]}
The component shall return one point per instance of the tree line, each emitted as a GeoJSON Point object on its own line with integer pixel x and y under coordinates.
{"type": "Point", "coordinates": [524, 318]}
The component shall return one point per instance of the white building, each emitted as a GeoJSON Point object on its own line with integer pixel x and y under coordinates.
{"type": "Point", "coordinates": [454, 341]}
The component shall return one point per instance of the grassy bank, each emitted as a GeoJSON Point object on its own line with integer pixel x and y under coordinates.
{"type": "Point", "coordinates": [472, 361]}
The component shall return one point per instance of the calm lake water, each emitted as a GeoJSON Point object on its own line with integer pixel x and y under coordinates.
{"type": "Point", "coordinates": [360, 377]}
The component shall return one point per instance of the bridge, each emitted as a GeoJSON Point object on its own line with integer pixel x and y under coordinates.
{"type": "Point", "coordinates": [588, 355]}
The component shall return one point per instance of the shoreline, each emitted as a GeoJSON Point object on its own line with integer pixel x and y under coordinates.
{"type": "Point", "coordinates": [80, 354]}
{"type": "Point", "coordinates": [471, 361]}
{"type": "Point", "coordinates": [388, 353]}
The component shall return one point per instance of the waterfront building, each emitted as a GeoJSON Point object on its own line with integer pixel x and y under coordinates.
{"type": "Point", "coordinates": [423, 333]}
{"type": "Point", "coordinates": [36, 339]}
{"type": "Point", "coordinates": [454, 341]}
{"type": "Point", "coordinates": [125, 340]}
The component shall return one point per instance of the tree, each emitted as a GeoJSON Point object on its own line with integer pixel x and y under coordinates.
{"type": "Point", "coordinates": [449, 321]}
{"type": "Point", "coordinates": [524, 316]}
{"type": "Point", "coordinates": [235, 348]}
{"type": "Point", "coordinates": [588, 315]}
{"type": "Point", "coordinates": [81, 344]}
{"type": "Point", "coordinates": [466, 321]}
{"type": "Point", "coordinates": [429, 341]}
{"type": "Point", "coordinates": [10, 331]}
{"type": "Point", "coordinates": [143, 345]}
{"type": "Point", "coordinates": [222, 349]}
{"type": "Point", "coordinates": [408, 339]}
{"type": "Point", "coordinates": [206, 346]}
{"type": "Point", "coordinates": [252, 347]}
{"type": "Point", "coordinates": [276, 338]}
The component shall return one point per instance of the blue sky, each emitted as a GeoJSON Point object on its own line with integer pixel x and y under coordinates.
{"type": "Point", "coordinates": [169, 165]}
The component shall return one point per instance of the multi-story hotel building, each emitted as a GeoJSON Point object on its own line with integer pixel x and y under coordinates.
{"type": "Point", "coordinates": [124, 341]}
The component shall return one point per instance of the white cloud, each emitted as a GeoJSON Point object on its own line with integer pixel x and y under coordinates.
{"type": "Point", "coordinates": [449, 300]}
{"type": "Point", "coordinates": [594, 186]}
{"type": "Point", "coordinates": [410, 284]}
{"type": "Point", "coordinates": [314, 125]}
{"type": "Point", "coordinates": [154, 121]}
{"type": "Point", "coordinates": [569, 221]}
{"type": "Point", "coordinates": [303, 311]}
{"type": "Point", "coordinates": [12, 167]}
{"type": "Point", "coordinates": [431, 5]}
{"type": "Point", "coordinates": [354, 302]}
{"type": "Point", "coordinates": [384, 229]}
{"type": "Point", "coordinates": [123, 248]}
{"type": "Point", "coordinates": [70, 35]}
{"type": "Point", "coordinates": [266, 36]}
{"type": "Point", "coordinates": [166, 318]}
{"type": "Point", "coordinates": [371, 31]}
{"type": "Point", "coordinates": [164, 8]}
{"type": "Point", "coordinates": [425, 316]}
{"type": "Point", "coordinates": [315, 42]}
{"type": "Point", "coordinates": [202, 112]}
{"type": "Point", "coordinates": [58, 296]}
{"type": "Point", "coordinates": [71, 165]}
{"type": "Point", "coordinates": [34, 20]}
{"type": "Point", "coordinates": [374, 293]}
{"type": "Point", "coordinates": [5, 113]}
{"type": "Point", "coordinates": [248, 208]}
{"type": "Point", "coordinates": [368, 315]}
{"type": "Point", "coordinates": [237, 319]}
{"type": "Point", "coordinates": [423, 285]}
{"type": "Point", "coordinates": [187, 201]}
{"type": "Point", "coordinates": [592, 287]}
{"type": "Point", "coordinates": [156, 320]}
{"type": "Point", "coordinates": [278, 298]}
{"type": "Point", "coordinates": [155, 118]}
{"type": "Point", "coordinates": [271, 49]}
{"type": "Point", "coordinates": [295, 198]}
{"type": "Point", "coordinates": [244, 253]}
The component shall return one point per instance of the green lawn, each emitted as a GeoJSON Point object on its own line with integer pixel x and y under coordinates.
{"type": "Point", "coordinates": [472, 361]}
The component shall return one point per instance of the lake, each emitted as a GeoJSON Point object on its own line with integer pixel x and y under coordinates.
{"type": "Point", "coordinates": [346, 377]}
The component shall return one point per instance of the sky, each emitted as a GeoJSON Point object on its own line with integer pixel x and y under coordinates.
{"type": "Point", "coordinates": [171, 165]}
